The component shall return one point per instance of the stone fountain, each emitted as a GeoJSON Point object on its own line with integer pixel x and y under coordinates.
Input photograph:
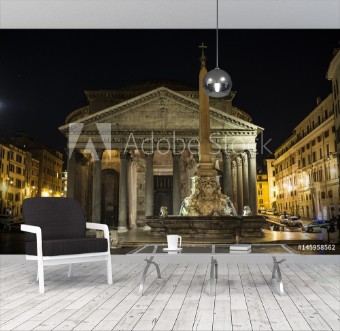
{"type": "Point", "coordinates": [207, 199]}
{"type": "Point", "coordinates": [207, 213]}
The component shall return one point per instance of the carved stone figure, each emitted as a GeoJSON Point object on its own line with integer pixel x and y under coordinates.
{"type": "Point", "coordinates": [247, 211]}
{"type": "Point", "coordinates": [207, 199]}
{"type": "Point", "coordinates": [163, 211]}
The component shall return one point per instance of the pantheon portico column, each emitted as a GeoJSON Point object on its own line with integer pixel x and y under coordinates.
{"type": "Point", "coordinates": [176, 184]}
{"type": "Point", "coordinates": [96, 186]}
{"type": "Point", "coordinates": [123, 193]}
{"type": "Point", "coordinates": [234, 183]}
{"type": "Point", "coordinates": [239, 186]}
{"type": "Point", "coordinates": [81, 179]}
{"type": "Point", "coordinates": [78, 177]}
{"type": "Point", "coordinates": [252, 182]}
{"type": "Point", "coordinates": [227, 174]}
{"type": "Point", "coordinates": [71, 175]}
{"type": "Point", "coordinates": [149, 186]}
{"type": "Point", "coordinates": [132, 192]}
{"type": "Point", "coordinates": [245, 180]}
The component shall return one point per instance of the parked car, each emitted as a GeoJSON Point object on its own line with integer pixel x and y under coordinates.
{"type": "Point", "coordinates": [294, 221]}
{"type": "Point", "coordinates": [315, 226]}
{"type": "Point", "coordinates": [270, 212]}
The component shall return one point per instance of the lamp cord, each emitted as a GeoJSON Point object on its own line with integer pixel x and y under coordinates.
{"type": "Point", "coordinates": [216, 33]}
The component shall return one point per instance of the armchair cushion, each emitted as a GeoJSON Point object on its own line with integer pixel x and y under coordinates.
{"type": "Point", "coordinates": [59, 218]}
{"type": "Point", "coordinates": [68, 246]}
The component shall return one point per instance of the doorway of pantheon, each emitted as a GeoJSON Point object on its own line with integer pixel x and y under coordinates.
{"type": "Point", "coordinates": [162, 193]}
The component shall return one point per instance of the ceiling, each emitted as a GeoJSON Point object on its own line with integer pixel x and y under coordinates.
{"type": "Point", "coordinates": [170, 14]}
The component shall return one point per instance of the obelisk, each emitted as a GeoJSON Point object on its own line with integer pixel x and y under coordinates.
{"type": "Point", "coordinates": [206, 198]}
{"type": "Point", "coordinates": [205, 166]}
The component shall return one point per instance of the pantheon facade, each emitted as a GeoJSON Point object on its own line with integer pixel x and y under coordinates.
{"type": "Point", "coordinates": [135, 149]}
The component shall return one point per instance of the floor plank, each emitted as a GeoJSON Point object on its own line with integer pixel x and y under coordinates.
{"type": "Point", "coordinates": [316, 292]}
{"type": "Point", "coordinates": [133, 301]}
{"type": "Point", "coordinates": [262, 276]}
{"type": "Point", "coordinates": [222, 316]}
{"type": "Point", "coordinates": [186, 317]}
{"type": "Point", "coordinates": [245, 298]}
{"type": "Point", "coordinates": [304, 297]}
{"type": "Point", "coordinates": [286, 304]}
{"type": "Point", "coordinates": [257, 314]}
{"type": "Point", "coordinates": [166, 320]}
{"type": "Point", "coordinates": [239, 312]}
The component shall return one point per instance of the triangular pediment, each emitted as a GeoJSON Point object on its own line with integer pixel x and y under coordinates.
{"type": "Point", "coordinates": [161, 110]}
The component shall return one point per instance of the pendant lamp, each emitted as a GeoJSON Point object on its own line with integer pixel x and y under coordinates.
{"type": "Point", "coordinates": [217, 83]}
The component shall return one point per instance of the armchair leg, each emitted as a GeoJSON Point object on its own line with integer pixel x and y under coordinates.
{"type": "Point", "coordinates": [41, 276]}
{"type": "Point", "coordinates": [109, 269]}
{"type": "Point", "coordinates": [70, 270]}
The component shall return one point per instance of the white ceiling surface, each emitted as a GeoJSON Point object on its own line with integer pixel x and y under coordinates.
{"type": "Point", "coordinates": [181, 14]}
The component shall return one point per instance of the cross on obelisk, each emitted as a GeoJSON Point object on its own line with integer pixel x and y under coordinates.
{"type": "Point", "coordinates": [203, 57]}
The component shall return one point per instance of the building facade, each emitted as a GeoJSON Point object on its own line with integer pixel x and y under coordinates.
{"type": "Point", "coordinates": [12, 179]}
{"type": "Point", "coordinates": [306, 166]}
{"type": "Point", "coordinates": [49, 164]}
{"type": "Point", "coordinates": [134, 150]}
{"type": "Point", "coordinates": [25, 174]}
{"type": "Point", "coordinates": [262, 192]}
{"type": "Point", "coordinates": [333, 74]}
{"type": "Point", "coordinates": [32, 176]}
{"type": "Point", "coordinates": [50, 172]}
{"type": "Point", "coordinates": [272, 188]}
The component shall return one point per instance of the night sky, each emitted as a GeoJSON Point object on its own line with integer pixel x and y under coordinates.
{"type": "Point", "coordinates": [278, 74]}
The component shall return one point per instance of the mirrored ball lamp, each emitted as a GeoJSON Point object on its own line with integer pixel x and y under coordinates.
{"type": "Point", "coordinates": [217, 83]}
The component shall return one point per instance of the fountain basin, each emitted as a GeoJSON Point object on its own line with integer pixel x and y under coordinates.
{"type": "Point", "coordinates": [208, 227]}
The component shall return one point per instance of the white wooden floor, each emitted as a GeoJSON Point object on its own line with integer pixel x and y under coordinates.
{"type": "Point", "coordinates": [246, 298]}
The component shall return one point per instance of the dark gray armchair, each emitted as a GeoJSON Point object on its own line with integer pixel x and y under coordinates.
{"type": "Point", "coordinates": [56, 235]}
